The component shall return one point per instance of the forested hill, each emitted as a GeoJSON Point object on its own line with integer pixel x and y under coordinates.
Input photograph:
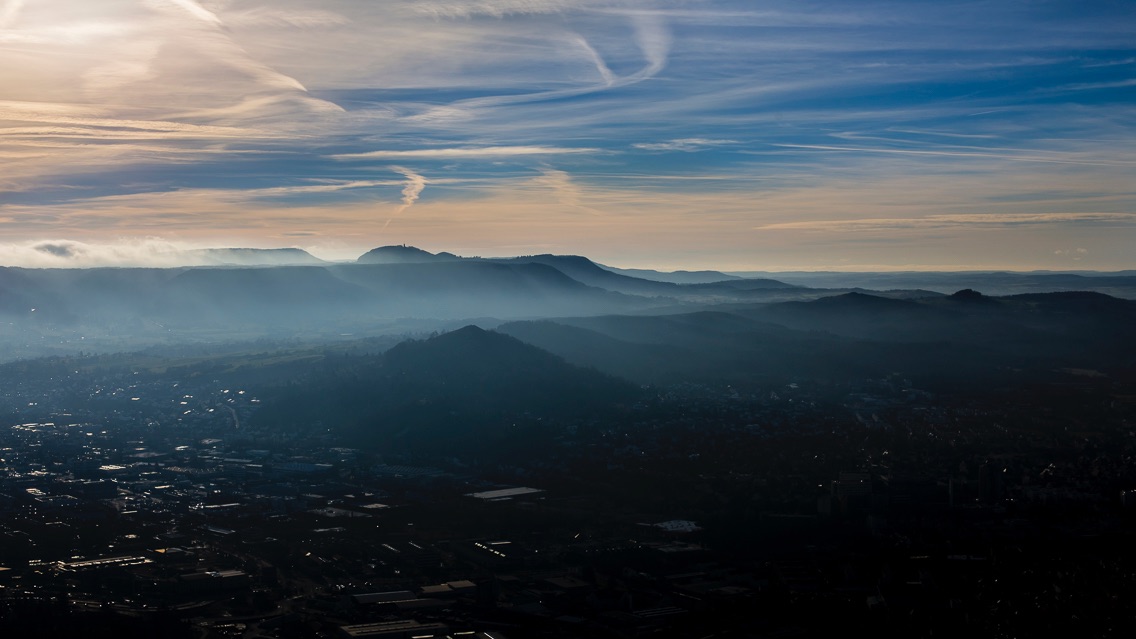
{"type": "Point", "coordinates": [463, 390]}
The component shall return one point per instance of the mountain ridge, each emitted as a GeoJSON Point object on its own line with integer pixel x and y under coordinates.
{"type": "Point", "coordinates": [254, 257]}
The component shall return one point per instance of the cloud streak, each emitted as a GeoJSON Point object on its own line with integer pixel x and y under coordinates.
{"type": "Point", "coordinates": [684, 144]}
{"type": "Point", "coordinates": [994, 153]}
{"type": "Point", "coordinates": [667, 121]}
{"type": "Point", "coordinates": [194, 9]}
{"type": "Point", "coordinates": [464, 153]}
{"type": "Point", "coordinates": [493, 8]}
{"type": "Point", "coordinates": [932, 222]}
{"type": "Point", "coordinates": [415, 184]}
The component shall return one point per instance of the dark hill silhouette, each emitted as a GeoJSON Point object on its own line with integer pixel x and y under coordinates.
{"type": "Point", "coordinates": [942, 340]}
{"type": "Point", "coordinates": [856, 301]}
{"type": "Point", "coordinates": [1086, 327]}
{"type": "Point", "coordinates": [1074, 301]}
{"type": "Point", "coordinates": [1118, 284]}
{"type": "Point", "coordinates": [709, 349]}
{"type": "Point", "coordinates": [1033, 326]}
{"type": "Point", "coordinates": [706, 347]}
{"type": "Point", "coordinates": [861, 315]}
{"type": "Point", "coordinates": [469, 391]}
{"type": "Point", "coordinates": [691, 330]}
{"type": "Point", "coordinates": [647, 363]}
{"type": "Point", "coordinates": [970, 296]}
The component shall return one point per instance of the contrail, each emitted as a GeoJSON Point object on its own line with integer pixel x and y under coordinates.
{"type": "Point", "coordinates": [654, 40]}
{"type": "Point", "coordinates": [198, 11]}
{"type": "Point", "coordinates": [597, 59]}
{"type": "Point", "coordinates": [415, 184]}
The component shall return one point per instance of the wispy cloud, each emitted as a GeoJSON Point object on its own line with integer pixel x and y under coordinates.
{"type": "Point", "coordinates": [494, 8]}
{"type": "Point", "coordinates": [465, 153]}
{"type": "Point", "coordinates": [413, 188]}
{"type": "Point", "coordinates": [683, 144]}
{"type": "Point", "coordinates": [609, 78]}
{"type": "Point", "coordinates": [322, 186]}
{"type": "Point", "coordinates": [566, 191]}
{"type": "Point", "coordinates": [676, 121]}
{"type": "Point", "coordinates": [275, 16]}
{"type": "Point", "coordinates": [948, 221]}
{"type": "Point", "coordinates": [654, 39]}
{"type": "Point", "coordinates": [1077, 252]}
{"type": "Point", "coordinates": [1094, 86]}
{"type": "Point", "coordinates": [194, 9]}
{"type": "Point", "coordinates": [1004, 154]}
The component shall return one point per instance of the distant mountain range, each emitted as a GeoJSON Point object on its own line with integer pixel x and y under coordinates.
{"type": "Point", "coordinates": [674, 277]}
{"type": "Point", "coordinates": [965, 338]}
{"type": "Point", "coordinates": [287, 293]}
{"type": "Point", "coordinates": [581, 269]}
{"type": "Point", "coordinates": [252, 257]}
{"type": "Point", "coordinates": [1118, 284]}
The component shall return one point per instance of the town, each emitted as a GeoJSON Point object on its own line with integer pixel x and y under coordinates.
{"type": "Point", "coordinates": [137, 503]}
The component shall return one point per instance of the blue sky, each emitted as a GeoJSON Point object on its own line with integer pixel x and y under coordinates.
{"type": "Point", "coordinates": [670, 133]}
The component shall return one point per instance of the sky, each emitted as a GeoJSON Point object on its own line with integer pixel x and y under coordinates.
{"type": "Point", "coordinates": [728, 134]}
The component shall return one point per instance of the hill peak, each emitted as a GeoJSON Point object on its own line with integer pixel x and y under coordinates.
{"type": "Point", "coordinates": [403, 254]}
{"type": "Point", "coordinates": [969, 295]}
{"type": "Point", "coordinates": [467, 345]}
{"type": "Point", "coordinates": [856, 299]}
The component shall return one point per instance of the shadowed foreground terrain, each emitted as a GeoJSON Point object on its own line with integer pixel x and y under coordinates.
{"type": "Point", "coordinates": [668, 459]}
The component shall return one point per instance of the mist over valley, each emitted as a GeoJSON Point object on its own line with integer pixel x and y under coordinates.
{"type": "Point", "coordinates": [404, 417]}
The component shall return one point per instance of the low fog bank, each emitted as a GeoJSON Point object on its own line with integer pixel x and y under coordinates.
{"type": "Point", "coordinates": [143, 253]}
